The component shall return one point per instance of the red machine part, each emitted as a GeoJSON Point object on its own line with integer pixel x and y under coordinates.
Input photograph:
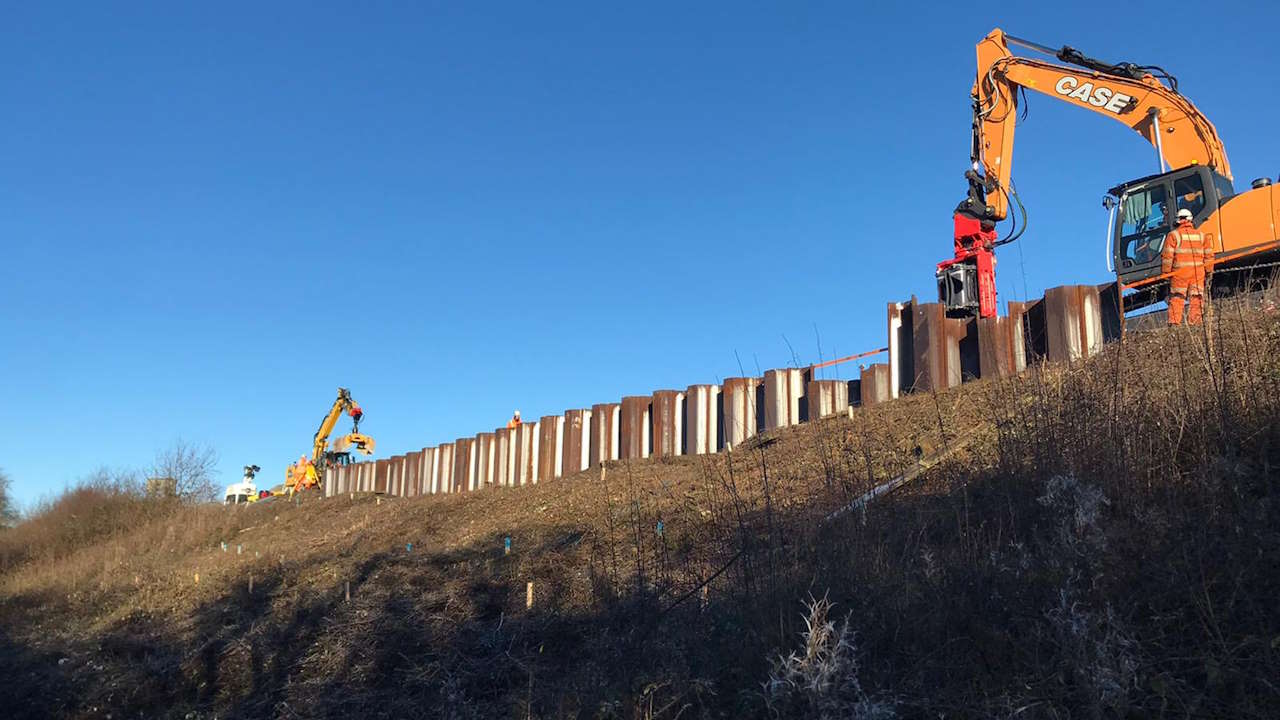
{"type": "Point", "coordinates": [976, 245]}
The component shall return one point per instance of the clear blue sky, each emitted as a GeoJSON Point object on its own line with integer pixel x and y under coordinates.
{"type": "Point", "coordinates": [214, 216]}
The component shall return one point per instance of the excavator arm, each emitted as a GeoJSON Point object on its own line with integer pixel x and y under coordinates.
{"type": "Point", "coordinates": [362, 443]}
{"type": "Point", "coordinates": [1143, 97]}
{"type": "Point", "coordinates": [302, 474]}
{"type": "Point", "coordinates": [343, 404]}
{"type": "Point", "coordinates": [1125, 92]}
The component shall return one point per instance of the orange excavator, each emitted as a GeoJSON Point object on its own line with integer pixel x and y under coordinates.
{"type": "Point", "coordinates": [1194, 175]}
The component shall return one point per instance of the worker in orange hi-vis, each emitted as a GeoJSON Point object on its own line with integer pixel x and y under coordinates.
{"type": "Point", "coordinates": [295, 473]}
{"type": "Point", "coordinates": [1189, 258]}
{"type": "Point", "coordinates": [514, 422]}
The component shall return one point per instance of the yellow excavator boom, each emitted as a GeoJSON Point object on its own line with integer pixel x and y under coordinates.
{"type": "Point", "coordinates": [306, 474]}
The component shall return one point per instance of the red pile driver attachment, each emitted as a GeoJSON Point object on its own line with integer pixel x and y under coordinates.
{"type": "Point", "coordinates": [967, 282]}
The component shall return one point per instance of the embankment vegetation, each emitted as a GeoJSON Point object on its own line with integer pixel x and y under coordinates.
{"type": "Point", "coordinates": [1100, 540]}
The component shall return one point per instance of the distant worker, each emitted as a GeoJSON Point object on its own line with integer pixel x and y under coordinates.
{"type": "Point", "coordinates": [514, 422]}
{"type": "Point", "coordinates": [295, 474]}
{"type": "Point", "coordinates": [356, 413]}
{"type": "Point", "coordinates": [1189, 258]}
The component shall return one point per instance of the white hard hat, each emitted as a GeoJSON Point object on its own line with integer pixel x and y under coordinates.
{"type": "Point", "coordinates": [1184, 214]}
{"type": "Point", "coordinates": [517, 412]}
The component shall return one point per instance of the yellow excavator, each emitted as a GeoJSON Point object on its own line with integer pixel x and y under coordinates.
{"type": "Point", "coordinates": [1194, 175]}
{"type": "Point", "coordinates": [307, 471]}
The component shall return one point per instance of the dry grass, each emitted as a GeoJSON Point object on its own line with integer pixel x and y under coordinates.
{"type": "Point", "coordinates": [95, 508]}
{"type": "Point", "coordinates": [1097, 541]}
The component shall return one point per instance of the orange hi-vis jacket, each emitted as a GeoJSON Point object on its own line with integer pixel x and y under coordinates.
{"type": "Point", "coordinates": [1187, 255]}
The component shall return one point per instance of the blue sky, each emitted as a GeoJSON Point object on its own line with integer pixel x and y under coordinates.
{"type": "Point", "coordinates": [214, 216]}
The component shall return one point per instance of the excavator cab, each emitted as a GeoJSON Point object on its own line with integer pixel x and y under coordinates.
{"type": "Point", "coordinates": [1143, 212]}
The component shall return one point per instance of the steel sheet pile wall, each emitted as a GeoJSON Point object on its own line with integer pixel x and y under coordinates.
{"type": "Point", "coordinates": [1001, 346]}
{"type": "Point", "coordinates": [349, 479]}
{"type": "Point", "coordinates": [633, 428]}
{"type": "Point", "coordinates": [394, 465]}
{"type": "Point", "coordinates": [577, 441]}
{"type": "Point", "coordinates": [937, 349]}
{"type": "Point", "coordinates": [741, 409]}
{"type": "Point", "coordinates": [426, 468]}
{"type": "Point", "coordinates": [551, 447]}
{"type": "Point", "coordinates": [827, 398]}
{"type": "Point", "coordinates": [342, 482]}
{"type": "Point", "coordinates": [704, 421]}
{"type": "Point", "coordinates": [484, 459]}
{"type": "Point", "coordinates": [784, 399]}
{"type": "Point", "coordinates": [874, 385]}
{"type": "Point", "coordinates": [444, 469]}
{"type": "Point", "coordinates": [901, 368]}
{"type": "Point", "coordinates": [428, 472]}
{"type": "Point", "coordinates": [1109, 305]}
{"type": "Point", "coordinates": [784, 404]}
{"type": "Point", "coordinates": [526, 465]}
{"type": "Point", "coordinates": [504, 456]}
{"type": "Point", "coordinates": [667, 412]}
{"type": "Point", "coordinates": [463, 465]}
{"type": "Point", "coordinates": [1033, 328]}
{"type": "Point", "coordinates": [1073, 321]}
{"type": "Point", "coordinates": [854, 392]}
{"type": "Point", "coordinates": [409, 487]}
{"type": "Point", "coordinates": [606, 443]}
{"type": "Point", "coordinates": [927, 351]}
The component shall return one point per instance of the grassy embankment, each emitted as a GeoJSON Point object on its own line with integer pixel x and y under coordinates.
{"type": "Point", "coordinates": [1101, 540]}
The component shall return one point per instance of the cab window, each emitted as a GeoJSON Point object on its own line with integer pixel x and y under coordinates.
{"type": "Point", "coordinates": [1223, 188]}
{"type": "Point", "coordinates": [1143, 223]}
{"type": "Point", "coordinates": [1143, 211]}
{"type": "Point", "coordinates": [1189, 193]}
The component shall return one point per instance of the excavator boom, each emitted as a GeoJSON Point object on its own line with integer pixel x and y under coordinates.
{"type": "Point", "coordinates": [1127, 93]}
{"type": "Point", "coordinates": [342, 404]}
{"type": "Point", "coordinates": [305, 474]}
{"type": "Point", "coordinates": [1195, 173]}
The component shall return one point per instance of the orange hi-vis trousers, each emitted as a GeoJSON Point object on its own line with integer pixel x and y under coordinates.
{"type": "Point", "coordinates": [1188, 293]}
